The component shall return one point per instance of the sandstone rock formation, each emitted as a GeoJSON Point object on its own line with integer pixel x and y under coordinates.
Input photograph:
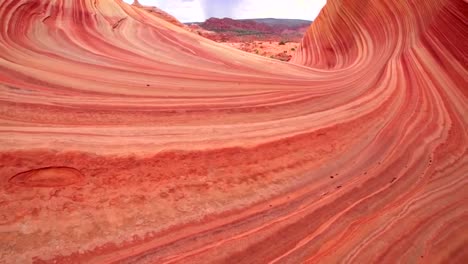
{"type": "Point", "coordinates": [125, 138]}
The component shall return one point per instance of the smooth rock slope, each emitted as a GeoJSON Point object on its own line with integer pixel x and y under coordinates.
{"type": "Point", "coordinates": [126, 139]}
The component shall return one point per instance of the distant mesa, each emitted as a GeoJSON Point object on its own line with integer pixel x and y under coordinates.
{"type": "Point", "coordinates": [266, 29]}
{"type": "Point", "coordinates": [261, 36]}
{"type": "Point", "coordinates": [359, 143]}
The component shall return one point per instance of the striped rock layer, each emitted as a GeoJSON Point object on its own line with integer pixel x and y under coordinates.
{"type": "Point", "coordinates": [126, 139]}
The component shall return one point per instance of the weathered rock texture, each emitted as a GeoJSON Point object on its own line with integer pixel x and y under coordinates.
{"type": "Point", "coordinates": [125, 138]}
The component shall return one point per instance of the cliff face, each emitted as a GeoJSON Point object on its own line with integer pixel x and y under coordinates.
{"type": "Point", "coordinates": [346, 28]}
{"type": "Point", "coordinates": [228, 24]}
{"type": "Point", "coordinates": [124, 138]}
{"type": "Point", "coordinates": [257, 29]}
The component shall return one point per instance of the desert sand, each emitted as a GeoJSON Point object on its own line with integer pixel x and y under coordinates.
{"type": "Point", "coordinates": [124, 138]}
{"type": "Point", "coordinates": [276, 50]}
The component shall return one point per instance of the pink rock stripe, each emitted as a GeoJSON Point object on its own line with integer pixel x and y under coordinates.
{"type": "Point", "coordinates": [125, 138]}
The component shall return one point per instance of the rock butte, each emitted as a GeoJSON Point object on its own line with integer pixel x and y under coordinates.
{"type": "Point", "coordinates": [182, 150]}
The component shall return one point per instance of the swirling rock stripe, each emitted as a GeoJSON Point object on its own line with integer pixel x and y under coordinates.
{"type": "Point", "coordinates": [181, 150]}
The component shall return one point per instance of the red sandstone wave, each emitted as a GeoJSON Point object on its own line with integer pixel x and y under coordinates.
{"type": "Point", "coordinates": [125, 138]}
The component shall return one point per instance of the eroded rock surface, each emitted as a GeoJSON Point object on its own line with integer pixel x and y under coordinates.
{"type": "Point", "coordinates": [189, 151]}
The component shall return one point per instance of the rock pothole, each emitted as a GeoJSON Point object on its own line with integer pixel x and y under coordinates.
{"type": "Point", "coordinates": [47, 177]}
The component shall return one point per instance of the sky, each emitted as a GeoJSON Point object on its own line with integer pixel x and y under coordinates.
{"type": "Point", "coordinates": [200, 10]}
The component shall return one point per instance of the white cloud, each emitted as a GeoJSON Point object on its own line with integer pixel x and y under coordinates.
{"type": "Point", "coordinates": [199, 10]}
{"type": "Point", "coordinates": [183, 10]}
{"type": "Point", "coordinates": [297, 9]}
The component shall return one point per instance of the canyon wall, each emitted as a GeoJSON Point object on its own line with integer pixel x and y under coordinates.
{"type": "Point", "coordinates": [125, 138]}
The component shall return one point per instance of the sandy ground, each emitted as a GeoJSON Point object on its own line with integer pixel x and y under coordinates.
{"type": "Point", "coordinates": [273, 49]}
